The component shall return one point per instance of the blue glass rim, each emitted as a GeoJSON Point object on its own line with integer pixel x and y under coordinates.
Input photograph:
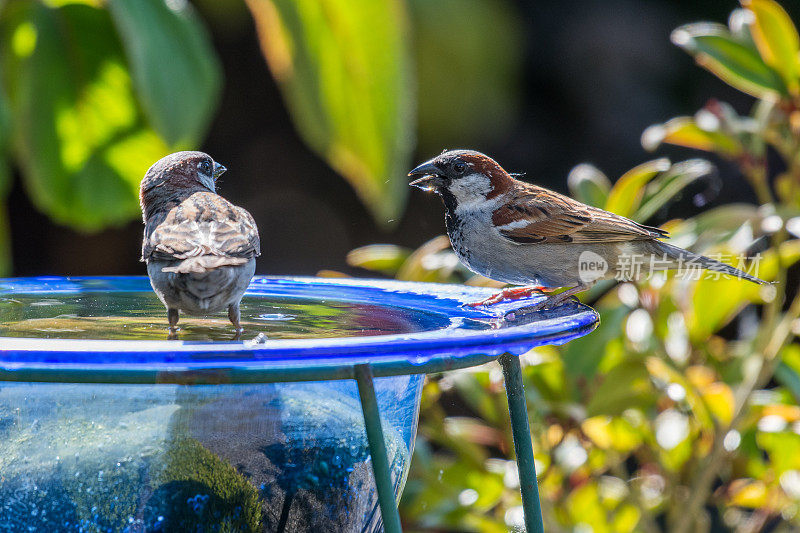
{"type": "Point", "coordinates": [249, 361]}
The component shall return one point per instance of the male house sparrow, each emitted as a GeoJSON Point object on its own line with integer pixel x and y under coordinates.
{"type": "Point", "coordinates": [518, 233]}
{"type": "Point", "coordinates": [199, 248]}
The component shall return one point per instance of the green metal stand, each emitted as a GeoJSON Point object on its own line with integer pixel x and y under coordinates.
{"type": "Point", "coordinates": [377, 449]}
{"type": "Point", "coordinates": [523, 446]}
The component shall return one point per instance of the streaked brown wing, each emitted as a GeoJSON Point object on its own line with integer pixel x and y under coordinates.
{"type": "Point", "coordinates": [203, 224]}
{"type": "Point", "coordinates": [537, 215]}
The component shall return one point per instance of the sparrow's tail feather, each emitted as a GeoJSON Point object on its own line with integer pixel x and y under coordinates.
{"type": "Point", "coordinates": [204, 263]}
{"type": "Point", "coordinates": [685, 259]}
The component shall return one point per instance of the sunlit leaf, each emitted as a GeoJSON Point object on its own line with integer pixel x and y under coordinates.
{"type": "Point", "coordinates": [715, 302]}
{"type": "Point", "coordinates": [174, 67]}
{"type": "Point", "coordinates": [80, 141]}
{"type": "Point", "coordinates": [782, 449]}
{"type": "Point", "coordinates": [776, 37]}
{"type": "Point", "coordinates": [669, 184]}
{"type": "Point", "coordinates": [583, 506]}
{"type": "Point", "coordinates": [343, 67]}
{"type": "Point", "coordinates": [660, 370]}
{"type": "Point", "coordinates": [720, 401]}
{"type": "Point", "coordinates": [684, 131]}
{"type": "Point", "coordinates": [750, 493]}
{"type": "Point", "coordinates": [612, 432]}
{"type": "Point", "coordinates": [628, 191]}
{"type": "Point", "coordinates": [383, 258]}
{"type": "Point", "coordinates": [626, 518]}
{"type": "Point", "coordinates": [716, 299]}
{"type": "Point", "coordinates": [715, 224]}
{"type": "Point", "coordinates": [421, 264]}
{"type": "Point", "coordinates": [588, 185]}
{"type": "Point", "coordinates": [733, 62]}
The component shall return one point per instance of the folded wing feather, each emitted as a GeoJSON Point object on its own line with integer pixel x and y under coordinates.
{"type": "Point", "coordinates": [205, 231]}
{"type": "Point", "coordinates": [536, 215]}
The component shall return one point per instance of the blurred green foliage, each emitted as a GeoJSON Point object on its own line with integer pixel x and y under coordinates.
{"type": "Point", "coordinates": [93, 93]}
{"type": "Point", "coordinates": [681, 412]}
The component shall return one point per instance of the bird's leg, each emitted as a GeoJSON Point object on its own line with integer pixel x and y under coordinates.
{"type": "Point", "coordinates": [511, 293]}
{"type": "Point", "coordinates": [172, 317]}
{"type": "Point", "coordinates": [235, 315]}
{"type": "Point", "coordinates": [553, 300]}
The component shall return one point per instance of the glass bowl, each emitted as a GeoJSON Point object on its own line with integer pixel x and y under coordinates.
{"type": "Point", "coordinates": [107, 426]}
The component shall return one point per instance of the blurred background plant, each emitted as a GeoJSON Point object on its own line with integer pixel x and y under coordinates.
{"type": "Point", "coordinates": [682, 411]}
{"type": "Point", "coordinates": [94, 91]}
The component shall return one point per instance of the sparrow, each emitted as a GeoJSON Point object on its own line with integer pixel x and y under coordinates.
{"type": "Point", "coordinates": [200, 249]}
{"type": "Point", "coordinates": [518, 233]}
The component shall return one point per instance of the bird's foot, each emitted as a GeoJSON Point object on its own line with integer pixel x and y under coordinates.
{"type": "Point", "coordinates": [238, 333]}
{"type": "Point", "coordinates": [513, 293]}
{"type": "Point", "coordinates": [173, 333]}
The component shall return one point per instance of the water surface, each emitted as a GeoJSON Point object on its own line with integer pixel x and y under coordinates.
{"type": "Point", "coordinates": [141, 316]}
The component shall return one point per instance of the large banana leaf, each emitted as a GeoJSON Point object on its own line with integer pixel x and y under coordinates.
{"type": "Point", "coordinates": [343, 68]}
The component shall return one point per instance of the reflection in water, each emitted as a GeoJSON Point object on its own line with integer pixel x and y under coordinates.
{"type": "Point", "coordinates": [140, 316]}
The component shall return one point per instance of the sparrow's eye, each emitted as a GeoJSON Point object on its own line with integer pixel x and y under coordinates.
{"type": "Point", "coordinates": [459, 167]}
{"type": "Point", "coordinates": [204, 167]}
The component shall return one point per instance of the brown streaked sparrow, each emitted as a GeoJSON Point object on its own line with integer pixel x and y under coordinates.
{"type": "Point", "coordinates": [200, 249]}
{"type": "Point", "coordinates": [518, 233]}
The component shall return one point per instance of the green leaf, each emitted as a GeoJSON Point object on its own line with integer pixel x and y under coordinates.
{"type": "Point", "coordinates": [588, 185]}
{"type": "Point", "coordinates": [174, 67]}
{"type": "Point", "coordinates": [628, 191]}
{"type": "Point", "coordinates": [81, 144]}
{"type": "Point", "coordinates": [776, 37]}
{"type": "Point", "coordinates": [384, 258]}
{"type": "Point", "coordinates": [582, 356]}
{"type": "Point", "coordinates": [663, 372]}
{"type": "Point", "coordinates": [343, 67]}
{"type": "Point", "coordinates": [626, 385]}
{"type": "Point", "coordinates": [669, 184]}
{"type": "Point", "coordinates": [684, 131]}
{"type": "Point", "coordinates": [788, 371]}
{"type": "Point", "coordinates": [718, 223]}
{"type": "Point", "coordinates": [782, 449]}
{"type": "Point", "coordinates": [716, 300]}
{"type": "Point", "coordinates": [733, 62]}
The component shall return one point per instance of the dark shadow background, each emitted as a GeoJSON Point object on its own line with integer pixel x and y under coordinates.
{"type": "Point", "coordinates": [595, 74]}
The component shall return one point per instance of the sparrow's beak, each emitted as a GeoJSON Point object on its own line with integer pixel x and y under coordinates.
{"type": "Point", "coordinates": [431, 178]}
{"type": "Point", "coordinates": [219, 170]}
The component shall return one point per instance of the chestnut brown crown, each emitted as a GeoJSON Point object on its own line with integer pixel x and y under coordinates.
{"type": "Point", "coordinates": [457, 169]}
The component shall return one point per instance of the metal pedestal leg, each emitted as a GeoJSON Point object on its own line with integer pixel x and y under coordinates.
{"type": "Point", "coordinates": [377, 449]}
{"type": "Point", "coordinates": [523, 447]}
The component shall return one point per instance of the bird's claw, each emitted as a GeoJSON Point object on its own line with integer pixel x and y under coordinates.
{"type": "Point", "coordinates": [514, 293]}
{"type": "Point", "coordinates": [550, 303]}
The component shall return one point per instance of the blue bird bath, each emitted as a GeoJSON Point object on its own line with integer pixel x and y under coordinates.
{"type": "Point", "coordinates": [107, 426]}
